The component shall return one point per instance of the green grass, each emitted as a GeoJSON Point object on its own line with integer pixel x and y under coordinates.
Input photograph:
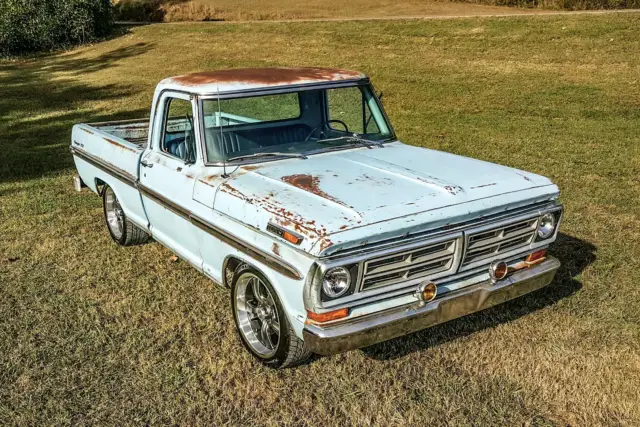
{"type": "Point", "coordinates": [91, 333]}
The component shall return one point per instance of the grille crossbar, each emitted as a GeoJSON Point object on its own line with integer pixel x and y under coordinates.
{"type": "Point", "coordinates": [491, 243]}
{"type": "Point", "coordinates": [419, 262]}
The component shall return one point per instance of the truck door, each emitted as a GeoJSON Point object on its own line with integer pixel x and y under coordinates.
{"type": "Point", "coordinates": [167, 175]}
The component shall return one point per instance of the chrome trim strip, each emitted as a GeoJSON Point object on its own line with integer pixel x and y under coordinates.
{"type": "Point", "coordinates": [278, 265]}
{"type": "Point", "coordinates": [349, 334]}
{"type": "Point", "coordinates": [122, 175]}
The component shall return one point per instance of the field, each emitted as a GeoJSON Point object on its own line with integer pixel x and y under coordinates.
{"type": "Point", "coordinates": [243, 10]}
{"type": "Point", "coordinates": [91, 333]}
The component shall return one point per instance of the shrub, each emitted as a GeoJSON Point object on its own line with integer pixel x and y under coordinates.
{"type": "Point", "coordinates": [38, 25]}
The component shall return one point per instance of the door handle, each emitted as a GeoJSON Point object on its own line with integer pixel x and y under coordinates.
{"type": "Point", "coordinates": [146, 164]}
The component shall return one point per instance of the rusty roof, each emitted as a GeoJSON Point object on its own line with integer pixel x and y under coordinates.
{"type": "Point", "coordinates": [248, 78]}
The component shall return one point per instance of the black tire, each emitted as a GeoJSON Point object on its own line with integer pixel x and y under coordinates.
{"type": "Point", "coordinates": [129, 233]}
{"type": "Point", "coordinates": [290, 350]}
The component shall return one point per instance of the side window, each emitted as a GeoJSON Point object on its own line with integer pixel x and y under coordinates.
{"type": "Point", "coordinates": [178, 138]}
{"type": "Point", "coordinates": [347, 107]}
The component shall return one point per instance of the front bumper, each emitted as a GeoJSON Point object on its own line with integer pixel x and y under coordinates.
{"type": "Point", "coordinates": [378, 327]}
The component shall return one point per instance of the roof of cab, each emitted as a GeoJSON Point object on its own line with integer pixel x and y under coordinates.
{"type": "Point", "coordinates": [235, 79]}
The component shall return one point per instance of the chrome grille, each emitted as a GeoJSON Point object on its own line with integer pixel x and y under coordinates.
{"type": "Point", "coordinates": [419, 262]}
{"type": "Point", "coordinates": [488, 244]}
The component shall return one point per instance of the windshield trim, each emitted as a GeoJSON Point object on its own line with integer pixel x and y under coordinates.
{"type": "Point", "coordinates": [281, 90]}
{"type": "Point", "coordinates": [284, 89]}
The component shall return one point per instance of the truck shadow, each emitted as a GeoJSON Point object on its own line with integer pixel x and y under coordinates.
{"type": "Point", "coordinates": [44, 96]}
{"type": "Point", "coordinates": [574, 254]}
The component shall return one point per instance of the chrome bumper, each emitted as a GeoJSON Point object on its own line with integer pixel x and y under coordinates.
{"type": "Point", "coordinates": [378, 327]}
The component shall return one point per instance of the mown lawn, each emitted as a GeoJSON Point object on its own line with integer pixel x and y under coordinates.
{"type": "Point", "coordinates": [91, 333]}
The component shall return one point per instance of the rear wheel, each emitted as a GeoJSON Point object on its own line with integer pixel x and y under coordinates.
{"type": "Point", "coordinates": [261, 322]}
{"type": "Point", "coordinates": [122, 231]}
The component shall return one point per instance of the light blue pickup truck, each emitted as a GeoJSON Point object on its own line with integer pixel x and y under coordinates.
{"type": "Point", "coordinates": [289, 186]}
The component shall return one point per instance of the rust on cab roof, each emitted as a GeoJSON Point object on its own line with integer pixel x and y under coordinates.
{"type": "Point", "coordinates": [266, 76]}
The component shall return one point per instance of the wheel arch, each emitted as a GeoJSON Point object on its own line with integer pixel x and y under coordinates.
{"type": "Point", "coordinates": [278, 283]}
{"type": "Point", "coordinates": [100, 185]}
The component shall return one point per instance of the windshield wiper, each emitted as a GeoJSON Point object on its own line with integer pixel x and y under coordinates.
{"type": "Point", "coordinates": [269, 154]}
{"type": "Point", "coordinates": [352, 139]}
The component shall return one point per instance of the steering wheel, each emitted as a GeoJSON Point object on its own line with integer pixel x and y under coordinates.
{"type": "Point", "coordinates": [346, 128]}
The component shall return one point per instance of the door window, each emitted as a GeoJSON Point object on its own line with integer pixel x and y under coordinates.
{"type": "Point", "coordinates": [178, 137]}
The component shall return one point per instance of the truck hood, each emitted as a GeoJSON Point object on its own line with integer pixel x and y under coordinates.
{"type": "Point", "coordinates": [326, 197]}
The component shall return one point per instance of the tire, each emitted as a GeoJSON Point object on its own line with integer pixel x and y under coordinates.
{"type": "Point", "coordinates": [251, 312]}
{"type": "Point", "coordinates": [122, 231]}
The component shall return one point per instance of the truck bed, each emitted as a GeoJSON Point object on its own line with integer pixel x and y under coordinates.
{"type": "Point", "coordinates": [134, 131]}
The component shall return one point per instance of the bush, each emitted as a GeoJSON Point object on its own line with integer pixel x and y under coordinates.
{"type": "Point", "coordinates": [38, 25]}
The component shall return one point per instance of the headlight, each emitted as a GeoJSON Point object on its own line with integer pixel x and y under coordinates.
{"type": "Point", "coordinates": [547, 225]}
{"type": "Point", "coordinates": [336, 282]}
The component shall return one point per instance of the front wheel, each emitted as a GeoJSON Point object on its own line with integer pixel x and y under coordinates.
{"type": "Point", "coordinates": [122, 231]}
{"type": "Point", "coordinates": [261, 322]}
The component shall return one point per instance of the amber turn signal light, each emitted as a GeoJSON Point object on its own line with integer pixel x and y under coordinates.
{"type": "Point", "coordinates": [498, 270]}
{"type": "Point", "coordinates": [428, 291]}
{"type": "Point", "coordinates": [289, 237]}
{"type": "Point", "coordinates": [328, 316]}
{"type": "Point", "coordinates": [536, 256]}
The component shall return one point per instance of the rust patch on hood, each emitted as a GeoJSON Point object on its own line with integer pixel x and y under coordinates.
{"type": "Point", "coordinates": [311, 184]}
{"type": "Point", "coordinates": [87, 131]}
{"type": "Point", "coordinates": [267, 76]}
{"type": "Point", "coordinates": [325, 243]}
{"type": "Point", "coordinates": [275, 249]}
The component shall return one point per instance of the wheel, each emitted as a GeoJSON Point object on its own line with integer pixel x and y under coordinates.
{"type": "Point", "coordinates": [261, 322]}
{"type": "Point", "coordinates": [122, 231]}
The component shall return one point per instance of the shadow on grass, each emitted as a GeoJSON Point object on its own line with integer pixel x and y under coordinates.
{"type": "Point", "coordinates": [574, 254]}
{"type": "Point", "coordinates": [42, 97]}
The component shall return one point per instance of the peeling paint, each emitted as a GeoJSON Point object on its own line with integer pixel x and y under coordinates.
{"type": "Point", "coordinates": [117, 144]}
{"type": "Point", "coordinates": [325, 243]}
{"type": "Point", "coordinates": [484, 185]}
{"type": "Point", "coordinates": [275, 249]}
{"type": "Point", "coordinates": [525, 177]}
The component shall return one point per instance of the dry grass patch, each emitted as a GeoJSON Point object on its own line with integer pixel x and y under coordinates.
{"type": "Point", "coordinates": [264, 10]}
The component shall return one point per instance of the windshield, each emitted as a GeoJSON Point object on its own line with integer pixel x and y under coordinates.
{"type": "Point", "coordinates": [292, 124]}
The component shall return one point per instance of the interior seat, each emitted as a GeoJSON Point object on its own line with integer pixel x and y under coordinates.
{"type": "Point", "coordinates": [220, 144]}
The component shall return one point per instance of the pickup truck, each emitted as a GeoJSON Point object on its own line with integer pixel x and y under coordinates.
{"type": "Point", "coordinates": [289, 186]}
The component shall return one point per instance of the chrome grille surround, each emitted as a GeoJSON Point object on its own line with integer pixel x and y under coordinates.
{"type": "Point", "coordinates": [468, 237]}
{"type": "Point", "coordinates": [420, 262]}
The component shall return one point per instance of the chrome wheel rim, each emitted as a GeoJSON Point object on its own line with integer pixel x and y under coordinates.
{"type": "Point", "coordinates": [115, 215]}
{"type": "Point", "coordinates": [257, 315]}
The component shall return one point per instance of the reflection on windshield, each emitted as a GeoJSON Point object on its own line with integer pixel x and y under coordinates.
{"type": "Point", "coordinates": [292, 124]}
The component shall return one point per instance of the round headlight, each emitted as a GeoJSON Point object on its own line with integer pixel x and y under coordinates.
{"type": "Point", "coordinates": [547, 225]}
{"type": "Point", "coordinates": [336, 282]}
